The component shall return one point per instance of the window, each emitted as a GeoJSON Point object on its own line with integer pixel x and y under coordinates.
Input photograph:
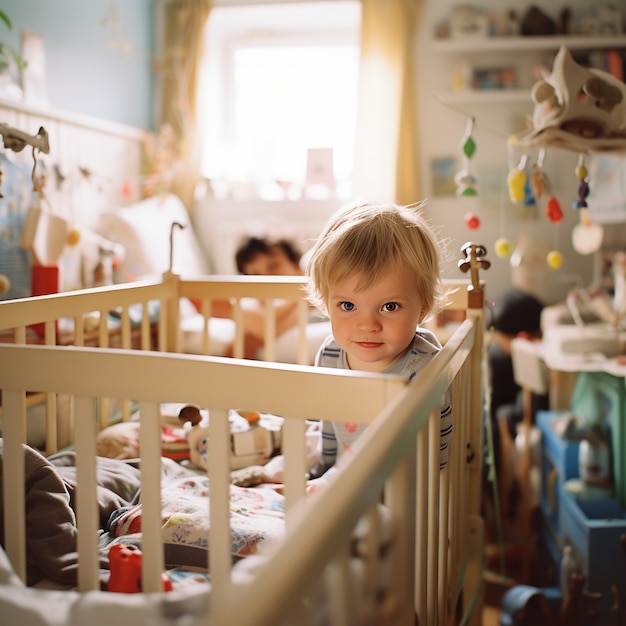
{"type": "Point", "coordinates": [280, 93]}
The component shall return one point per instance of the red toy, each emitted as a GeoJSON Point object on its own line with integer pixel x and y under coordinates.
{"type": "Point", "coordinates": [125, 565]}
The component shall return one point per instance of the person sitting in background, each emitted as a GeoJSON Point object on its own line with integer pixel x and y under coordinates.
{"type": "Point", "coordinates": [516, 313]}
{"type": "Point", "coordinates": [264, 256]}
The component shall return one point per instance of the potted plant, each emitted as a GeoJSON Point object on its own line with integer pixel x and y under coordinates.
{"type": "Point", "coordinates": [9, 56]}
{"type": "Point", "coordinates": [11, 65]}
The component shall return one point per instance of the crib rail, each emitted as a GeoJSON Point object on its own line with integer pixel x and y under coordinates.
{"type": "Point", "coordinates": [81, 318]}
{"type": "Point", "coordinates": [86, 305]}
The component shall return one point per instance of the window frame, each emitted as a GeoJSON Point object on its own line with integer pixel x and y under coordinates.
{"type": "Point", "coordinates": [226, 35]}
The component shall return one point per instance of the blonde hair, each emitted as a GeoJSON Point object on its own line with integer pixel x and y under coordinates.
{"type": "Point", "coordinates": [366, 240]}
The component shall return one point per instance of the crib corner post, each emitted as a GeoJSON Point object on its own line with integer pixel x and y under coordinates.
{"type": "Point", "coordinates": [473, 259]}
{"type": "Point", "coordinates": [170, 339]}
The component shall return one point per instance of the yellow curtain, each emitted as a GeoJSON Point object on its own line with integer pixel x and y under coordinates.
{"type": "Point", "coordinates": [386, 161]}
{"type": "Point", "coordinates": [183, 49]}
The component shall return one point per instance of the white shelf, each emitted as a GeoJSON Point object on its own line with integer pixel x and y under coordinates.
{"type": "Point", "coordinates": [554, 42]}
{"type": "Point", "coordinates": [486, 96]}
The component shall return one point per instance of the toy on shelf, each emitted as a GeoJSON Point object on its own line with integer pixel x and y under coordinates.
{"type": "Point", "coordinates": [578, 109]}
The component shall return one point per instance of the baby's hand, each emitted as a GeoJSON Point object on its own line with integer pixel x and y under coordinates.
{"type": "Point", "coordinates": [314, 485]}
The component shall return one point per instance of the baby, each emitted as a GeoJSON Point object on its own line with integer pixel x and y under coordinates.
{"type": "Point", "coordinates": [375, 271]}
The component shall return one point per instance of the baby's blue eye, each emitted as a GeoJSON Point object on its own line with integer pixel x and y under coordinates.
{"type": "Point", "coordinates": [346, 306]}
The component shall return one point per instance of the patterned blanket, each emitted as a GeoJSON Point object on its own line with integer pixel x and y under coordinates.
{"type": "Point", "coordinates": [255, 515]}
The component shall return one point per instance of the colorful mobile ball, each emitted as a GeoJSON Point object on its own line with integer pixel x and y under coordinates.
{"type": "Point", "coordinates": [503, 247]}
{"type": "Point", "coordinates": [5, 283]}
{"type": "Point", "coordinates": [472, 221]}
{"type": "Point", "coordinates": [555, 259]}
{"type": "Point", "coordinates": [73, 237]}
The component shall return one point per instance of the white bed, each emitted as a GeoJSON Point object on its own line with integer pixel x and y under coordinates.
{"type": "Point", "coordinates": [152, 246]}
{"type": "Point", "coordinates": [422, 556]}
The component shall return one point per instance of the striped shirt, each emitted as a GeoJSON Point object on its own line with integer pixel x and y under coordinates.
{"type": "Point", "coordinates": [339, 437]}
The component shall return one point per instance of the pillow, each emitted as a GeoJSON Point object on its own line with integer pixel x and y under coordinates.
{"type": "Point", "coordinates": [144, 230]}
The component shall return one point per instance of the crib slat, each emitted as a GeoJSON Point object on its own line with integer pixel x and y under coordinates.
{"type": "Point", "coordinates": [269, 334]}
{"type": "Point", "coordinates": [219, 537]}
{"type": "Point", "coordinates": [79, 331]}
{"type": "Point", "coordinates": [86, 503]}
{"type": "Point", "coordinates": [145, 342]}
{"type": "Point", "coordinates": [433, 515]}
{"type": "Point", "coordinates": [50, 332]}
{"type": "Point", "coordinates": [337, 576]}
{"type": "Point", "coordinates": [443, 545]}
{"type": "Point", "coordinates": [372, 562]}
{"type": "Point", "coordinates": [14, 501]}
{"type": "Point", "coordinates": [103, 330]}
{"type": "Point", "coordinates": [401, 500]}
{"type": "Point", "coordinates": [51, 423]}
{"type": "Point", "coordinates": [125, 319]}
{"type": "Point", "coordinates": [295, 462]}
{"type": "Point", "coordinates": [151, 523]}
{"type": "Point", "coordinates": [303, 317]}
{"type": "Point", "coordinates": [239, 334]}
{"type": "Point", "coordinates": [19, 334]}
{"type": "Point", "coordinates": [421, 526]}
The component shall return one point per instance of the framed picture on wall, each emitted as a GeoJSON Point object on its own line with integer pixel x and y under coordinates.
{"type": "Point", "coordinates": [34, 74]}
{"type": "Point", "coordinates": [607, 187]}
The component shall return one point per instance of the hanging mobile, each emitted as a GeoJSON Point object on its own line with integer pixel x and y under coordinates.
{"type": "Point", "coordinates": [554, 258]}
{"type": "Point", "coordinates": [516, 181]}
{"type": "Point", "coordinates": [587, 236]}
{"type": "Point", "coordinates": [541, 187]}
{"type": "Point", "coordinates": [582, 173]}
{"type": "Point", "coordinates": [465, 182]}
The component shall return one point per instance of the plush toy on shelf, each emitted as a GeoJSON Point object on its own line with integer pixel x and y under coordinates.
{"type": "Point", "coordinates": [577, 108]}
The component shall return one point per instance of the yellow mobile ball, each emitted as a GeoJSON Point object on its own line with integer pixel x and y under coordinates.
{"type": "Point", "coordinates": [555, 259]}
{"type": "Point", "coordinates": [503, 247]}
{"type": "Point", "coordinates": [73, 237]}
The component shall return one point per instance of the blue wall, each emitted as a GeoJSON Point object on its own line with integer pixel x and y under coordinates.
{"type": "Point", "coordinates": [84, 73]}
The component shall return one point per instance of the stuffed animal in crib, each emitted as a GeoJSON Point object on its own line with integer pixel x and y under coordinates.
{"type": "Point", "coordinates": [125, 565]}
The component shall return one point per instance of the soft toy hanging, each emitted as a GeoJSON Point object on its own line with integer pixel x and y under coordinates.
{"type": "Point", "coordinates": [582, 173]}
{"type": "Point", "coordinates": [465, 182]}
{"type": "Point", "coordinates": [587, 236]}
{"type": "Point", "coordinates": [516, 181]}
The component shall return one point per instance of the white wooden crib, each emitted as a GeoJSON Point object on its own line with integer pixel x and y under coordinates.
{"type": "Point", "coordinates": [339, 561]}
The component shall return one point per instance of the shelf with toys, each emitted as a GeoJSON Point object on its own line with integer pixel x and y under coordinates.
{"type": "Point", "coordinates": [476, 79]}
{"type": "Point", "coordinates": [522, 44]}
{"type": "Point", "coordinates": [575, 109]}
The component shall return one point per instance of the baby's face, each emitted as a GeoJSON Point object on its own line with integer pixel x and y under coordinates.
{"type": "Point", "coordinates": [375, 325]}
{"type": "Point", "coordinates": [276, 263]}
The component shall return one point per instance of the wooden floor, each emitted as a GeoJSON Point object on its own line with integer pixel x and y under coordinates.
{"type": "Point", "coordinates": [493, 596]}
{"type": "Point", "coordinates": [505, 550]}
{"type": "Point", "coordinates": [513, 557]}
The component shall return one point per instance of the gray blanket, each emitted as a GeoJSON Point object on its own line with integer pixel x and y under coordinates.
{"type": "Point", "coordinates": [51, 531]}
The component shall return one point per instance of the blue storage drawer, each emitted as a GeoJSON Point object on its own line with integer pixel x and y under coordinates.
{"type": "Point", "coordinates": [594, 528]}
{"type": "Point", "coordinates": [559, 462]}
